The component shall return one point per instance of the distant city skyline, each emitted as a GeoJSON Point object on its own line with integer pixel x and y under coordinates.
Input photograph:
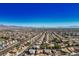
{"type": "Point", "coordinates": [40, 15]}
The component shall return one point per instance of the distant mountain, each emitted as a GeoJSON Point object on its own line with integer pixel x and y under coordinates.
{"type": "Point", "coordinates": [74, 26]}
{"type": "Point", "coordinates": [70, 27]}
{"type": "Point", "coordinates": [29, 28]}
{"type": "Point", "coordinates": [5, 27]}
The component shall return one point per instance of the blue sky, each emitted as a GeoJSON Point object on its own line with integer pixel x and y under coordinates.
{"type": "Point", "coordinates": [40, 15]}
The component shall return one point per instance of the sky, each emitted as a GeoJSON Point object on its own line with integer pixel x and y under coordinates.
{"type": "Point", "coordinates": [39, 14]}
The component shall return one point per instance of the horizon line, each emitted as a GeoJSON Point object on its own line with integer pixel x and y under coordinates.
{"type": "Point", "coordinates": [42, 26]}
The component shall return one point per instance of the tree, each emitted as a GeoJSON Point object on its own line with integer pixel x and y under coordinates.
{"type": "Point", "coordinates": [44, 45]}
{"type": "Point", "coordinates": [57, 46]}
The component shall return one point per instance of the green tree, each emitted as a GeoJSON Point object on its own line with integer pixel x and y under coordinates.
{"type": "Point", "coordinates": [57, 46]}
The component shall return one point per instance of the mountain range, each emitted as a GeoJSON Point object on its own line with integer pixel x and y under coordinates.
{"type": "Point", "coordinates": [22, 27]}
